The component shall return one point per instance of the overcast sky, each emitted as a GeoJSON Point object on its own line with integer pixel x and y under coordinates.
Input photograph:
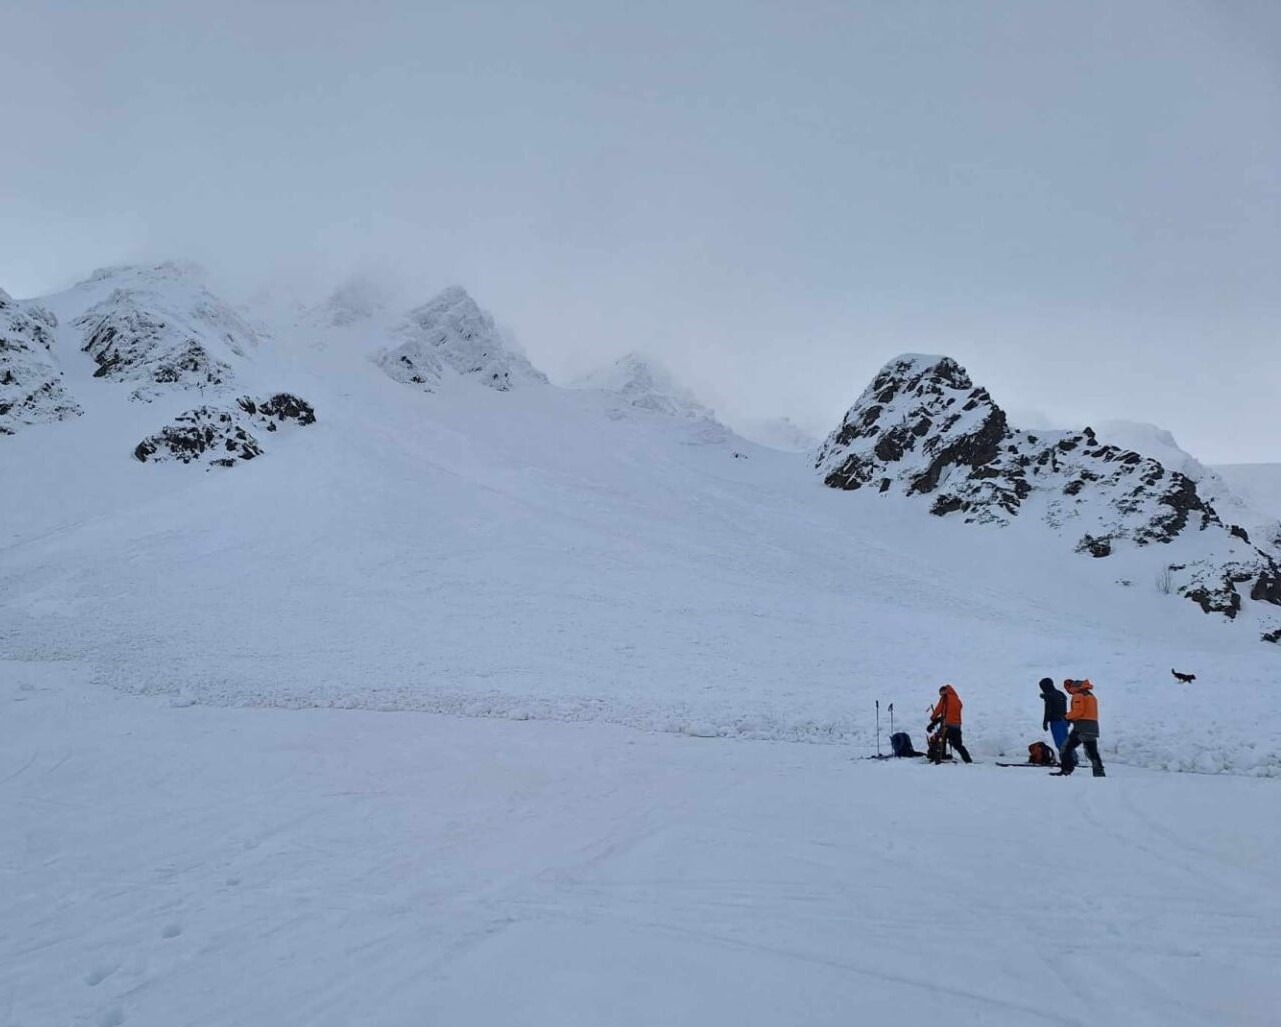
{"type": "Point", "coordinates": [1078, 200]}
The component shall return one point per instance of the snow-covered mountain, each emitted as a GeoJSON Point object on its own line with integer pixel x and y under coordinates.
{"type": "Point", "coordinates": [451, 335]}
{"type": "Point", "coordinates": [158, 326]}
{"type": "Point", "coordinates": [639, 382]}
{"type": "Point", "coordinates": [922, 428]}
{"type": "Point", "coordinates": [569, 554]}
{"type": "Point", "coordinates": [31, 382]}
{"type": "Point", "coordinates": [1259, 485]}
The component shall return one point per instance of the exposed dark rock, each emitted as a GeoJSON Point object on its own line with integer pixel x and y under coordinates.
{"type": "Point", "coordinates": [31, 383]}
{"type": "Point", "coordinates": [922, 427]}
{"type": "Point", "coordinates": [1096, 547]}
{"type": "Point", "coordinates": [224, 435]}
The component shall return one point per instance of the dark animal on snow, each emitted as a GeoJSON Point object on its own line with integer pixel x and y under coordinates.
{"type": "Point", "coordinates": [1185, 678]}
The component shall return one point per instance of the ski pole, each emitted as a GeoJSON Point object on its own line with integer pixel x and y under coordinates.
{"type": "Point", "coordinates": [891, 721]}
{"type": "Point", "coordinates": [878, 727]}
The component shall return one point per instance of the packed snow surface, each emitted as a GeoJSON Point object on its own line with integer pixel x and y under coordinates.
{"type": "Point", "coordinates": [224, 803]}
{"type": "Point", "coordinates": [172, 865]}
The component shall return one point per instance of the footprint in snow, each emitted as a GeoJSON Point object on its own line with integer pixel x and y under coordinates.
{"type": "Point", "coordinates": [112, 1017]}
{"type": "Point", "coordinates": [100, 973]}
{"type": "Point", "coordinates": [171, 931]}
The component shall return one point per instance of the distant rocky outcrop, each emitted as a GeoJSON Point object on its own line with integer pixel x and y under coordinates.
{"type": "Point", "coordinates": [31, 383]}
{"type": "Point", "coordinates": [161, 328]}
{"type": "Point", "coordinates": [1160, 444]}
{"type": "Point", "coordinates": [922, 428]}
{"type": "Point", "coordinates": [451, 335]}
{"type": "Point", "coordinates": [223, 436]}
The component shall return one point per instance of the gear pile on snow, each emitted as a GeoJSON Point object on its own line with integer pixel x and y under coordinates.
{"type": "Point", "coordinates": [159, 326]}
{"type": "Point", "coordinates": [922, 428]}
{"type": "Point", "coordinates": [31, 389]}
{"type": "Point", "coordinates": [222, 437]}
{"type": "Point", "coordinates": [451, 334]}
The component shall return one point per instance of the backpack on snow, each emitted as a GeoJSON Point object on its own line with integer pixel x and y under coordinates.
{"type": "Point", "coordinates": [901, 744]}
{"type": "Point", "coordinates": [1041, 755]}
{"type": "Point", "coordinates": [936, 747]}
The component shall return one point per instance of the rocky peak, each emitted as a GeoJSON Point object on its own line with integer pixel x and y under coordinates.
{"type": "Point", "coordinates": [922, 428]}
{"type": "Point", "coordinates": [451, 334]}
{"type": "Point", "coordinates": [159, 327]}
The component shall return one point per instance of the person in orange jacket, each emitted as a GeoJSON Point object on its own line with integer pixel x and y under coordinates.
{"type": "Point", "coordinates": [948, 713]}
{"type": "Point", "coordinates": [1084, 718]}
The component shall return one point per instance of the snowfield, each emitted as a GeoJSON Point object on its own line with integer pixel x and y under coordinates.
{"type": "Point", "coordinates": [479, 704]}
{"type": "Point", "coordinates": [183, 865]}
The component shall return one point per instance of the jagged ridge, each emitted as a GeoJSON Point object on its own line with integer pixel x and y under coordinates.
{"type": "Point", "coordinates": [923, 428]}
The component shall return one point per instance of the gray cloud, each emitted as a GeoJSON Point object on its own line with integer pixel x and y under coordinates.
{"type": "Point", "coordinates": [1079, 201]}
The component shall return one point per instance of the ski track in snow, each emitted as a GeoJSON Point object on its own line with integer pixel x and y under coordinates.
{"type": "Point", "coordinates": [170, 865]}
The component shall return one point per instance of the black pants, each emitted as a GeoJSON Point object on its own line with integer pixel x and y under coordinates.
{"type": "Point", "coordinates": [954, 740]}
{"type": "Point", "coordinates": [1075, 741]}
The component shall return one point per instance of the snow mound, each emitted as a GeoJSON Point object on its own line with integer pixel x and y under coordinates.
{"type": "Point", "coordinates": [160, 327]}
{"type": "Point", "coordinates": [452, 335]}
{"type": "Point", "coordinates": [1258, 484]}
{"type": "Point", "coordinates": [922, 428]}
{"type": "Point", "coordinates": [31, 385]}
{"type": "Point", "coordinates": [221, 437]}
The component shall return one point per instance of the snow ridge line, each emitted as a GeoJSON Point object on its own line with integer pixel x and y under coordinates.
{"type": "Point", "coordinates": [1208, 755]}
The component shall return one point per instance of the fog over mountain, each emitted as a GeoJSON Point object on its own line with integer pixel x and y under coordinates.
{"type": "Point", "coordinates": [1078, 201]}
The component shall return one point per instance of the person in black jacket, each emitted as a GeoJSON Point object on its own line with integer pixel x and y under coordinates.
{"type": "Point", "coordinates": [1055, 718]}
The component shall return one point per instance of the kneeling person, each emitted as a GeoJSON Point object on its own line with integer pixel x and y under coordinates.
{"type": "Point", "coordinates": [948, 713]}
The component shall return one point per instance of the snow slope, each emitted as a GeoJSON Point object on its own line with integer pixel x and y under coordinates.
{"type": "Point", "coordinates": [221, 809]}
{"type": "Point", "coordinates": [230, 867]}
{"type": "Point", "coordinates": [524, 554]}
{"type": "Point", "coordinates": [778, 433]}
{"type": "Point", "coordinates": [1258, 483]}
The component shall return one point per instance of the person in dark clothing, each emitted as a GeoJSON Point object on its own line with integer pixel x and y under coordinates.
{"type": "Point", "coordinates": [1084, 717]}
{"type": "Point", "coordinates": [1054, 719]}
{"type": "Point", "coordinates": [948, 713]}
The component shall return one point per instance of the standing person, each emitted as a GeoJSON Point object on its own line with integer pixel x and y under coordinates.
{"type": "Point", "coordinates": [1084, 718]}
{"type": "Point", "coordinates": [948, 713]}
{"type": "Point", "coordinates": [1054, 719]}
